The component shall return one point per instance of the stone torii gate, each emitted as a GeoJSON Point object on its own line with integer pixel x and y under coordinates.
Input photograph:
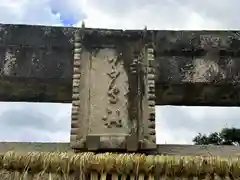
{"type": "Point", "coordinates": [118, 77]}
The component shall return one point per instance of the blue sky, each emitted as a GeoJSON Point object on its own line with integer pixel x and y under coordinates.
{"type": "Point", "coordinates": [51, 122]}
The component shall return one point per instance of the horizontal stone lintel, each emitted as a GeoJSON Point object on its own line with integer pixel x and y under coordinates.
{"type": "Point", "coordinates": [198, 94]}
{"type": "Point", "coordinates": [162, 149]}
{"type": "Point", "coordinates": [164, 40]}
{"type": "Point", "coordinates": [14, 89]}
{"type": "Point", "coordinates": [43, 63]}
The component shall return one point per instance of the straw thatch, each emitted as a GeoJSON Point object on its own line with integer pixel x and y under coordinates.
{"type": "Point", "coordinates": [100, 166]}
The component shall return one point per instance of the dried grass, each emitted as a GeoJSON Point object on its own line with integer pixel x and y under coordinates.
{"type": "Point", "coordinates": [126, 165]}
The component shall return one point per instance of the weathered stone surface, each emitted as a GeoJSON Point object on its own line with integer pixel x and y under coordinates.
{"type": "Point", "coordinates": [196, 41]}
{"type": "Point", "coordinates": [36, 36]}
{"type": "Point", "coordinates": [199, 80]}
{"type": "Point", "coordinates": [34, 89]}
{"type": "Point", "coordinates": [36, 63]}
{"type": "Point", "coordinates": [112, 90]}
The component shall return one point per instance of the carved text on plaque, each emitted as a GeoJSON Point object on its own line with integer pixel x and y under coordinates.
{"type": "Point", "coordinates": [112, 119]}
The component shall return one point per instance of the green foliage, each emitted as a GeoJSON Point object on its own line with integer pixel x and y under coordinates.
{"type": "Point", "coordinates": [227, 136]}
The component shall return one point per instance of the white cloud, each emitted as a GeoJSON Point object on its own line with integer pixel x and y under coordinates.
{"type": "Point", "coordinates": [180, 124]}
{"type": "Point", "coordinates": [136, 14]}
{"type": "Point", "coordinates": [175, 124]}
{"type": "Point", "coordinates": [27, 12]}
{"type": "Point", "coordinates": [35, 122]}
